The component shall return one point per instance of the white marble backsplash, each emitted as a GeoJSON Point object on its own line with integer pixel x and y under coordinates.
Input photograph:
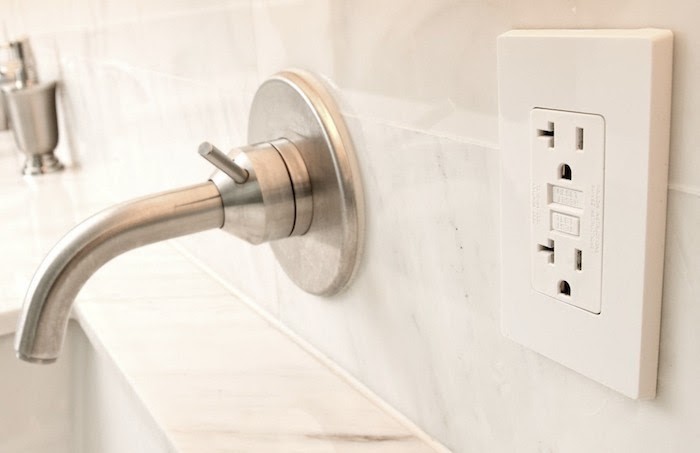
{"type": "Point", "coordinates": [144, 82]}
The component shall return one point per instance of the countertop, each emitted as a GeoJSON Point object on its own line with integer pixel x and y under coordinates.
{"type": "Point", "coordinates": [215, 373]}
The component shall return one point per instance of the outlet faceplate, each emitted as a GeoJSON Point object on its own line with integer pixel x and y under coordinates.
{"type": "Point", "coordinates": [567, 156]}
{"type": "Point", "coordinates": [584, 120]}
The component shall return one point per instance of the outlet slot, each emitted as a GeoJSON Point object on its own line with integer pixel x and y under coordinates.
{"type": "Point", "coordinates": [564, 288]}
{"type": "Point", "coordinates": [548, 249]}
{"type": "Point", "coordinates": [565, 172]}
{"type": "Point", "coordinates": [579, 261]}
{"type": "Point", "coordinates": [547, 134]}
{"type": "Point", "coordinates": [579, 139]}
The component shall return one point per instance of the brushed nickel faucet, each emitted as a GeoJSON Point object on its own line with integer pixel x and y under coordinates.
{"type": "Point", "coordinates": [297, 187]}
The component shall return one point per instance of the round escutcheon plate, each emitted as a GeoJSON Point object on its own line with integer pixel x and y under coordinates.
{"type": "Point", "coordinates": [295, 105]}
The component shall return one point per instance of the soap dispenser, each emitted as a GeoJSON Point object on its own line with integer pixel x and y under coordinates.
{"type": "Point", "coordinates": [28, 108]}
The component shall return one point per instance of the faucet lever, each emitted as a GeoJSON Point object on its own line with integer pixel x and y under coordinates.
{"type": "Point", "coordinates": [221, 161]}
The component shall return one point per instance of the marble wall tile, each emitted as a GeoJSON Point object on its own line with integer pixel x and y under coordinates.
{"type": "Point", "coordinates": [443, 53]}
{"type": "Point", "coordinates": [139, 120]}
{"type": "Point", "coordinates": [144, 82]}
{"type": "Point", "coordinates": [213, 45]}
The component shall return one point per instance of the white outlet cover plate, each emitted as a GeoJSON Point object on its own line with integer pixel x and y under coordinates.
{"type": "Point", "coordinates": [625, 77]}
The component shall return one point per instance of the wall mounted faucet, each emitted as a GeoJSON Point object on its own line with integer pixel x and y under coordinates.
{"type": "Point", "coordinates": [296, 187]}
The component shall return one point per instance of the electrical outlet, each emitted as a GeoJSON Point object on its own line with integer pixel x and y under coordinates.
{"type": "Point", "coordinates": [567, 155]}
{"type": "Point", "coordinates": [584, 120]}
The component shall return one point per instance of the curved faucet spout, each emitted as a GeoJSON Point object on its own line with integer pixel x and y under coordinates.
{"type": "Point", "coordinates": [97, 240]}
{"type": "Point", "coordinates": [295, 186]}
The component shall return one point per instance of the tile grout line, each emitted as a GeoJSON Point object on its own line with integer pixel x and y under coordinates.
{"type": "Point", "coordinates": [487, 145]}
{"type": "Point", "coordinates": [682, 188]}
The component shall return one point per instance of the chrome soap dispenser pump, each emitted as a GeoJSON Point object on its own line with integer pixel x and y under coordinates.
{"type": "Point", "coordinates": [297, 187]}
{"type": "Point", "coordinates": [28, 107]}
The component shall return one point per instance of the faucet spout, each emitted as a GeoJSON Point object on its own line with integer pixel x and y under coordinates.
{"type": "Point", "coordinates": [295, 186]}
{"type": "Point", "coordinates": [94, 242]}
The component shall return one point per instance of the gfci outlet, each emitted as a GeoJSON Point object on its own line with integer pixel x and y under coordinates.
{"type": "Point", "coordinates": [584, 119]}
{"type": "Point", "coordinates": [567, 157]}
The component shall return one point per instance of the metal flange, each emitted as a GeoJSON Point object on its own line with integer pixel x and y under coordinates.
{"type": "Point", "coordinates": [296, 106]}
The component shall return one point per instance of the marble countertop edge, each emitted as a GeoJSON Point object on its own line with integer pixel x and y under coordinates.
{"type": "Point", "coordinates": [324, 360]}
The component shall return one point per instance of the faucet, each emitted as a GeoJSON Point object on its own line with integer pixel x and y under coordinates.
{"type": "Point", "coordinates": [297, 187]}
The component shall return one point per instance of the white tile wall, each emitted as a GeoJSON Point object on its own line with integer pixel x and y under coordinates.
{"type": "Point", "coordinates": [144, 82]}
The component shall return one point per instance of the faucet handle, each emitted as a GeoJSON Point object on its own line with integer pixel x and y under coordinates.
{"type": "Point", "coordinates": [221, 161]}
